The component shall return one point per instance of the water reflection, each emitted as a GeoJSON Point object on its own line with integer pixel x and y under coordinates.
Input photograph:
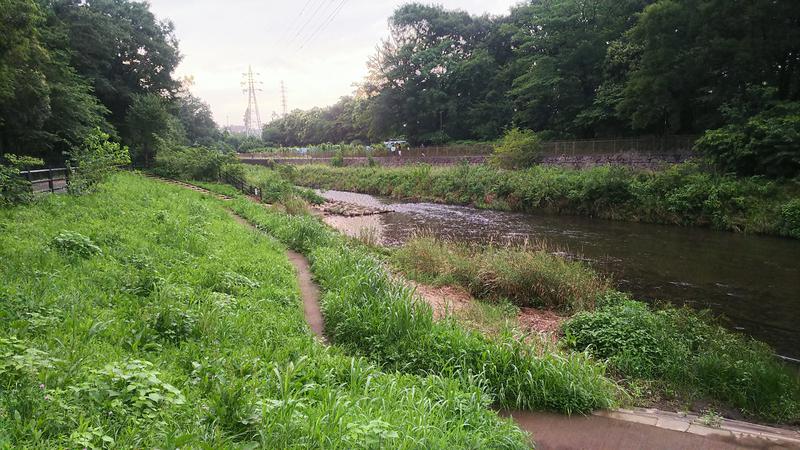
{"type": "Point", "coordinates": [753, 281]}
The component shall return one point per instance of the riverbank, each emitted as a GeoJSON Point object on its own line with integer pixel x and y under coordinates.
{"type": "Point", "coordinates": [682, 195]}
{"type": "Point", "coordinates": [669, 355]}
{"type": "Point", "coordinates": [143, 316]}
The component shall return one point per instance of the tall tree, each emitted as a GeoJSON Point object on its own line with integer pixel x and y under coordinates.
{"type": "Point", "coordinates": [121, 48]}
{"type": "Point", "coordinates": [700, 57]}
{"type": "Point", "coordinates": [560, 48]}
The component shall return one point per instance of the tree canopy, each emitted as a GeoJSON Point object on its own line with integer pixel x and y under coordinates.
{"type": "Point", "coordinates": [566, 68]}
{"type": "Point", "coordinates": [68, 67]}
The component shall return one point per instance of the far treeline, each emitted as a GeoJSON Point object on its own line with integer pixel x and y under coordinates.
{"type": "Point", "coordinates": [571, 69]}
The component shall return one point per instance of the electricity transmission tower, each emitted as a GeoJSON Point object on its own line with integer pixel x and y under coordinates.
{"type": "Point", "coordinates": [283, 98]}
{"type": "Point", "coordinates": [252, 118]}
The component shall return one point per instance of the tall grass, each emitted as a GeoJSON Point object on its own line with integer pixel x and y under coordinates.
{"type": "Point", "coordinates": [526, 276]}
{"type": "Point", "coordinates": [368, 313]}
{"type": "Point", "coordinates": [144, 316]}
{"type": "Point", "coordinates": [684, 194]}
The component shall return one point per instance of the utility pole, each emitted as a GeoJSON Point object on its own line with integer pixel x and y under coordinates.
{"type": "Point", "coordinates": [283, 99]}
{"type": "Point", "coordinates": [252, 118]}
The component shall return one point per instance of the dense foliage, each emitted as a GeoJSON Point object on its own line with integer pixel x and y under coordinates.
{"type": "Point", "coordinates": [689, 352]}
{"type": "Point", "coordinates": [567, 68]}
{"type": "Point", "coordinates": [682, 353]}
{"type": "Point", "coordinates": [15, 189]}
{"type": "Point", "coordinates": [144, 316]}
{"type": "Point", "coordinates": [766, 144]}
{"type": "Point", "coordinates": [681, 195]}
{"type": "Point", "coordinates": [369, 312]}
{"type": "Point", "coordinates": [69, 66]}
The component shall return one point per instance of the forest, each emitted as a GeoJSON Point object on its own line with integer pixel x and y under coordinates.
{"type": "Point", "coordinates": [68, 67]}
{"type": "Point", "coordinates": [567, 69]}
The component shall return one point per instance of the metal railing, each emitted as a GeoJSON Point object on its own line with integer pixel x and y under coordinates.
{"type": "Point", "coordinates": [47, 180]}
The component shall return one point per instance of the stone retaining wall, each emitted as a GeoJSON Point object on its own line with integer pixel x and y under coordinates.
{"type": "Point", "coordinates": [630, 159]}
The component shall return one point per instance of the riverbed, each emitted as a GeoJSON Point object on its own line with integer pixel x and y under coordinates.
{"type": "Point", "coordinates": [751, 282]}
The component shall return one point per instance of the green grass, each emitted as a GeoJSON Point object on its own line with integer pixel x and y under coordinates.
{"type": "Point", "coordinates": [691, 355]}
{"type": "Point", "coordinates": [676, 351]}
{"type": "Point", "coordinates": [526, 276]}
{"type": "Point", "coordinates": [684, 194]}
{"type": "Point", "coordinates": [368, 313]}
{"type": "Point", "coordinates": [144, 316]}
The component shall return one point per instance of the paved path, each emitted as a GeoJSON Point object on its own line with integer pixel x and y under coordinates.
{"type": "Point", "coordinates": [557, 432]}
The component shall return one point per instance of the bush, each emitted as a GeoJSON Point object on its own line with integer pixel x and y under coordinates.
{"type": "Point", "coordinates": [94, 160]}
{"type": "Point", "coordinates": [192, 163]}
{"type": "Point", "coordinates": [14, 189]}
{"type": "Point", "coordinates": [790, 213]}
{"type": "Point", "coordinates": [767, 144]}
{"type": "Point", "coordinates": [338, 159]}
{"type": "Point", "coordinates": [517, 149]}
{"type": "Point", "coordinates": [74, 244]}
{"type": "Point", "coordinates": [689, 352]}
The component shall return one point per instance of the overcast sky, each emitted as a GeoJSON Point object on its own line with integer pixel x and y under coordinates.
{"type": "Point", "coordinates": [218, 39]}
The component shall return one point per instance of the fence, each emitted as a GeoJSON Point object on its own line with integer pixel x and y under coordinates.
{"type": "Point", "coordinates": [644, 145]}
{"type": "Point", "coordinates": [47, 180]}
{"type": "Point", "coordinates": [578, 147]}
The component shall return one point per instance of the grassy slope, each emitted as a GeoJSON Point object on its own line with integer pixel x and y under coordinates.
{"type": "Point", "coordinates": [369, 313]}
{"type": "Point", "coordinates": [184, 328]}
{"type": "Point", "coordinates": [681, 195]}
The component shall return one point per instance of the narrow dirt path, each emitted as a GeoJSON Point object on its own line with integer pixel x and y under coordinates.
{"type": "Point", "coordinates": [617, 429]}
{"type": "Point", "coordinates": [310, 293]}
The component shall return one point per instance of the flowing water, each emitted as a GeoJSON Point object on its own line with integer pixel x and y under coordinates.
{"type": "Point", "coordinates": [752, 282]}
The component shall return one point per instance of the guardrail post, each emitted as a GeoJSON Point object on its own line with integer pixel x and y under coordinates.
{"type": "Point", "coordinates": [50, 179]}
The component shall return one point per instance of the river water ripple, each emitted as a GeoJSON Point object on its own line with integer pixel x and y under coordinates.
{"type": "Point", "coordinates": [752, 282]}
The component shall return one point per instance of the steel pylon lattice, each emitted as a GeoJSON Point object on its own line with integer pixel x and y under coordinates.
{"type": "Point", "coordinates": [252, 118]}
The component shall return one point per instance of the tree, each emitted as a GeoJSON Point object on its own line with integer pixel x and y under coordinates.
{"type": "Point", "coordinates": [196, 118]}
{"type": "Point", "coordinates": [767, 144]}
{"type": "Point", "coordinates": [120, 47]}
{"type": "Point", "coordinates": [150, 127]}
{"type": "Point", "coordinates": [698, 56]}
{"type": "Point", "coordinates": [560, 48]}
{"type": "Point", "coordinates": [45, 106]}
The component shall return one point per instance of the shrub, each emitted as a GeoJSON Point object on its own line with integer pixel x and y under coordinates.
{"type": "Point", "coordinates": [192, 163]}
{"type": "Point", "coordinates": [517, 149]}
{"type": "Point", "coordinates": [93, 161]}
{"type": "Point", "coordinates": [338, 159]}
{"type": "Point", "coordinates": [767, 144]}
{"type": "Point", "coordinates": [14, 189]}
{"type": "Point", "coordinates": [790, 213]}
{"type": "Point", "coordinates": [689, 352]}
{"type": "Point", "coordinates": [74, 244]}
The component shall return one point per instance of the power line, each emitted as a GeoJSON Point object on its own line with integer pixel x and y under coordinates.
{"type": "Point", "coordinates": [314, 14]}
{"type": "Point", "coordinates": [324, 24]}
{"type": "Point", "coordinates": [294, 22]}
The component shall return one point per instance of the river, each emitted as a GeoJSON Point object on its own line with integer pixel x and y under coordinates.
{"type": "Point", "coordinates": [751, 282]}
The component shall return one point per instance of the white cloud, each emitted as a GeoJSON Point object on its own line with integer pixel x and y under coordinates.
{"type": "Point", "coordinates": [220, 39]}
